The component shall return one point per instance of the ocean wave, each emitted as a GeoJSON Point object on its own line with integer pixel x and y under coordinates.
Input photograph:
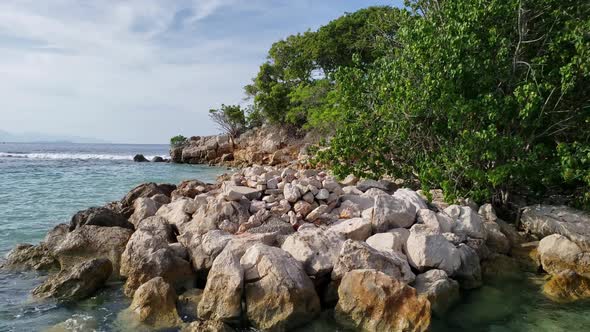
{"type": "Point", "coordinates": [69, 156]}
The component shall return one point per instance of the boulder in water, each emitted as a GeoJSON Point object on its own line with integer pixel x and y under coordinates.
{"type": "Point", "coordinates": [77, 282]}
{"type": "Point", "coordinates": [139, 158]}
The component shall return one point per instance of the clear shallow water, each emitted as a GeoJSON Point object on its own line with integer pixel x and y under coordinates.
{"type": "Point", "coordinates": [42, 185]}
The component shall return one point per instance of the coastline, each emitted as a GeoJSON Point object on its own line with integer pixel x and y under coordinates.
{"type": "Point", "coordinates": [285, 217]}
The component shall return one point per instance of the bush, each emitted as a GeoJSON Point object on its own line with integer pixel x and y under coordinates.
{"type": "Point", "coordinates": [479, 98]}
{"type": "Point", "coordinates": [178, 140]}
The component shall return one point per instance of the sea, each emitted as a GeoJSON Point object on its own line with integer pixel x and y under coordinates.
{"type": "Point", "coordinates": [42, 185]}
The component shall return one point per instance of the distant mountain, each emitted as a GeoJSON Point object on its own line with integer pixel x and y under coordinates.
{"type": "Point", "coordinates": [6, 136]}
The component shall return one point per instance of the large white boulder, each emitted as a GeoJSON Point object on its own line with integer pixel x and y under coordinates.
{"type": "Point", "coordinates": [315, 248]}
{"type": "Point", "coordinates": [392, 212]}
{"type": "Point", "coordinates": [392, 241]}
{"type": "Point", "coordinates": [432, 251]}
{"type": "Point", "coordinates": [358, 229]}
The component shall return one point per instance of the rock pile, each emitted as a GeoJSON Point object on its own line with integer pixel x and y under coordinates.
{"type": "Point", "coordinates": [271, 247]}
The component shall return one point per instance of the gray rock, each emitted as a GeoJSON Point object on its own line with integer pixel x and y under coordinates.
{"type": "Point", "coordinates": [391, 212]}
{"type": "Point", "coordinates": [99, 216]}
{"type": "Point", "coordinates": [544, 220]}
{"type": "Point", "coordinates": [469, 273]}
{"type": "Point", "coordinates": [358, 229]}
{"type": "Point", "coordinates": [232, 192]}
{"type": "Point", "coordinates": [292, 193]}
{"type": "Point", "coordinates": [442, 291]}
{"type": "Point", "coordinates": [466, 221]}
{"type": "Point", "coordinates": [316, 249]}
{"type": "Point", "coordinates": [392, 241]}
{"type": "Point", "coordinates": [432, 251]}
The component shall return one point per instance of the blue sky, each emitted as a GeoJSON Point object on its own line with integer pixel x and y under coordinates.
{"type": "Point", "coordinates": [139, 71]}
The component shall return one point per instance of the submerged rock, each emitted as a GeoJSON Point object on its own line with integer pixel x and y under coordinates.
{"type": "Point", "coordinates": [77, 282]}
{"type": "Point", "coordinates": [373, 301]}
{"type": "Point", "coordinates": [567, 286]}
{"type": "Point", "coordinates": [278, 294]}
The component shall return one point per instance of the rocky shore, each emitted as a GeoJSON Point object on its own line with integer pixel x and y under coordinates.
{"type": "Point", "coordinates": [273, 247]}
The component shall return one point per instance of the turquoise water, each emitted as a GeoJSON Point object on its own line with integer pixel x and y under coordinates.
{"type": "Point", "coordinates": [42, 185]}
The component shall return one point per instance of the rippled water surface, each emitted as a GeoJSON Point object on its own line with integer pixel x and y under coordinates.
{"type": "Point", "coordinates": [42, 185]}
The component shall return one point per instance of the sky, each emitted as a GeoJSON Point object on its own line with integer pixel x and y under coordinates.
{"type": "Point", "coordinates": [139, 71]}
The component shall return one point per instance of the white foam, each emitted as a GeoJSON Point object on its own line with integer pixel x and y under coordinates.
{"type": "Point", "coordinates": [69, 156]}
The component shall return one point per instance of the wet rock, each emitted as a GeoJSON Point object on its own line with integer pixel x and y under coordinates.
{"type": "Point", "coordinates": [544, 220]}
{"type": "Point", "coordinates": [316, 249]}
{"type": "Point", "coordinates": [158, 159]}
{"type": "Point", "coordinates": [29, 257]}
{"type": "Point", "coordinates": [77, 282]}
{"type": "Point", "coordinates": [469, 272]}
{"type": "Point", "coordinates": [567, 286]}
{"type": "Point", "coordinates": [370, 300]}
{"type": "Point", "coordinates": [392, 241]}
{"type": "Point", "coordinates": [441, 291]}
{"type": "Point", "coordinates": [139, 158]}
{"type": "Point", "coordinates": [356, 255]}
{"type": "Point", "coordinates": [154, 304]}
{"type": "Point", "coordinates": [89, 242]}
{"type": "Point", "coordinates": [278, 294]}
{"type": "Point", "coordinates": [527, 256]}
{"type": "Point", "coordinates": [496, 241]}
{"type": "Point", "coordinates": [432, 251]}
{"type": "Point", "coordinates": [99, 216]}
{"type": "Point", "coordinates": [358, 229]}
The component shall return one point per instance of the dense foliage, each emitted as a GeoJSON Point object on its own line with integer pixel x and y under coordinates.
{"type": "Point", "coordinates": [476, 97]}
{"type": "Point", "coordinates": [295, 86]}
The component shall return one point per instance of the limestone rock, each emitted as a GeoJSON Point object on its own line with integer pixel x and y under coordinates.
{"type": "Point", "coordinates": [467, 221]}
{"type": "Point", "coordinates": [356, 255]}
{"type": "Point", "coordinates": [143, 207]}
{"type": "Point", "coordinates": [278, 294]}
{"type": "Point", "coordinates": [148, 255]}
{"type": "Point", "coordinates": [441, 291]}
{"type": "Point", "coordinates": [439, 222]}
{"type": "Point", "coordinates": [412, 197]}
{"type": "Point", "coordinates": [392, 241]}
{"type": "Point", "coordinates": [358, 229]}
{"type": "Point", "coordinates": [77, 282]}
{"type": "Point", "coordinates": [232, 192]}
{"type": "Point", "coordinates": [146, 190]}
{"type": "Point", "coordinates": [496, 240]}
{"type": "Point", "coordinates": [99, 216]}
{"type": "Point", "coordinates": [203, 249]}
{"type": "Point", "coordinates": [207, 326]}
{"type": "Point", "coordinates": [89, 242]}
{"type": "Point", "coordinates": [391, 212]}
{"type": "Point", "coordinates": [187, 304]}
{"type": "Point", "coordinates": [544, 220]}
{"type": "Point", "coordinates": [154, 304]}
{"type": "Point", "coordinates": [432, 251]}
{"type": "Point", "coordinates": [291, 193]}
{"type": "Point", "coordinates": [316, 249]}
{"type": "Point", "coordinates": [370, 300]}
{"type": "Point", "coordinates": [29, 257]}
{"type": "Point", "coordinates": [222, 297]}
